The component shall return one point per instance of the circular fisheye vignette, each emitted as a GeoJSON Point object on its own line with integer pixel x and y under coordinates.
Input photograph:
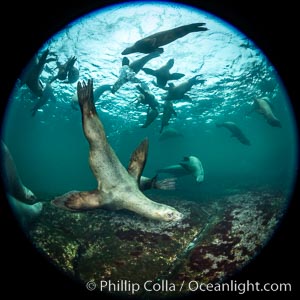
{"type": "Point", "coordinates": [189, 241]}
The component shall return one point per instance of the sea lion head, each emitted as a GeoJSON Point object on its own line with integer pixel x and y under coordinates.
{"type": "Point", "coordinates": [30, 197]}
{"type": "Point", "coordinates": [168, 214]}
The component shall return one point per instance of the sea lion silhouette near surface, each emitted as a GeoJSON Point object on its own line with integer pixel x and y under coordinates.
{"type": "Point", "coordinates": [31, 74]}
{"type": "Point", "coordinates": [154, 41]}
{"type": "Point", "coordinates": [178, 92]}
{"type": "Point", "coordinates": [163, 74]}
{"type": "Point", "coordinates": [117, 188]}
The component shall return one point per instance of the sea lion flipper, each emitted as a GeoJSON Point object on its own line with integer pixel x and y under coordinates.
{"type": "Point", "coordinates": [176, 76]}
{"type": "Point", "coordinates": [149, 71]}
{"type": "Point", "coordinates": [138, 160]}
{"type": "Point", "coordinates": [185, 165]}
{"type": "Point", "coordinates": [86, 96]}
{"type": "Point", "coordinates": [75, 200]}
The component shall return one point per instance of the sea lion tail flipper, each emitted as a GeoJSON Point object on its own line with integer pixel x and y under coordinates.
{"type": "Point", "coordinates": [149, 71]}
{"type": "Point", "coordinates": [138, 160]}
{"type": "Point", "coordinates": [76, 201]}
{"type": "Point", "coordinates": [196, 27]}
{"type": "Point", "coordinates": [165, 184]}
{"type": "Point", "coordinates": [176, 76]}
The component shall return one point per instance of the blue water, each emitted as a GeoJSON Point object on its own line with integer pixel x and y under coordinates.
{"type": "Point", "coordinates": [50, 149]}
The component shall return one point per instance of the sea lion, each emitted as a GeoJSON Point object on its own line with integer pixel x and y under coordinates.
{"type": "Point", "coordinates": [146, 97]}
{"type": "Point", "coordinates": [262, 106]}
{"type": "Point", "coordinates": [26, 214]}
{"type": "Point", "coordinates": [151, 116]}
{"type": "Point", "coordinates": [189, 165]}
{"type": "Point", "coordinates": [235, 132]}
{"type": "Point", "coordinates": [168, 111]}
{"type": "Point", "coordinates": [46, 95]}
{"type": "Point", "coordinates": [64, 69]}
{"type": "Point", "coordinates": [138, 64]}
{"type": "Point", "coordinates": [31, 74]}
{"type": "Point", "coordinates": [117, 188]}
{"type": "Point", "coordinates": [129, 70]}
{"type": "Point", "coordinates": [169, 133]}
{"type": "Point", "coordinates": [11, 179]}
{"type": "Point", "coordinates": [178, 92]}
{"type": "Point", "coordinates": [73, 75]}
{"type": "Point", "coordinates": [154, 41]}
{"type": "Point", "coordinates": [163, 74]}
{"type": "Point", "coordinates": [126, 75]}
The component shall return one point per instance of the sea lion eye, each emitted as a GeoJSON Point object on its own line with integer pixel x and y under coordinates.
{"type": "Point", "coordinates": [170, 215]}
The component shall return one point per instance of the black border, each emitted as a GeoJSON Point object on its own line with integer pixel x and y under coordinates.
{"type": "Point", "coordinates": [27, 25]}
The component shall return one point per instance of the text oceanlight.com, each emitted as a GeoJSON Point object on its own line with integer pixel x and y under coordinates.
{"type": "Point", "coordinates": [191, 286]}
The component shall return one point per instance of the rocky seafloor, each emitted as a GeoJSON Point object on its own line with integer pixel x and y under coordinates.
{"type": "Point", "coordinates": [215, 239]}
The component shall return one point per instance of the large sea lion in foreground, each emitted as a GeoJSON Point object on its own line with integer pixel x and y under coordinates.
{"type": "Point", "coordinates": [154, 41]}
{"type": "Point", "coordinates": [117, 188]}
{"type": "Point", "coordinates": [189, 165]}
{"type": "Point", "coordinates": [235, 132]}
{"type": "Point", "coordinates": [262, 106]}
{"type": "Point", "coordinates": [11, 179]}
{"type": "Point", "coordinates": [163, 74]}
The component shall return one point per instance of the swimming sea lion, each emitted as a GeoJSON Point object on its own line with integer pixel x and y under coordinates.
{"type": "Point", "coordinates": [168, 111]}
{"type": "Point", "coordinates": [138, 64]}
{"type": "Point", "coordinates": [235, 132]}
{"type": "Point", "coordinates": [163, 74]}
{"type": "Point", "coordinates": [26, 214]}
{"type": "Point", "coordinates": [31, 74]}
{"type": "Point", "coordinates": [63, 69]}
{"type": "Point", "coordinates": [73, 75]}
{"type": "Point", "coordinates": [262, 106]}
{"type": "Point", "coordinates": [117, 188]}
{"type": "Point", "coordinates": [169, 133]}
{"type": "Point", "coordinates": [47, 94]}
{"type": "Point", "coordinates": [129, 70]}
{"type": "Point", "coordinates": [151, 116]}
{"type": "Point", "coordinates": [126, 75]}
{"type": "Point", "coordinates": [193, 165]}
{"type": "Point", "coordinates": [154, 41]}
{"type": "Point", "coordinates": [12, 181]}
{"type": "Point", "coordinates": [189, 165]}
{"type": "Point", "coordinates": [147, 97]}
{"type": "Point", "coordinates": [178, 92]}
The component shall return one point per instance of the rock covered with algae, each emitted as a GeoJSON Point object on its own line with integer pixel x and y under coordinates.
{"type": "Point", "coordinates": [214, 240]}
